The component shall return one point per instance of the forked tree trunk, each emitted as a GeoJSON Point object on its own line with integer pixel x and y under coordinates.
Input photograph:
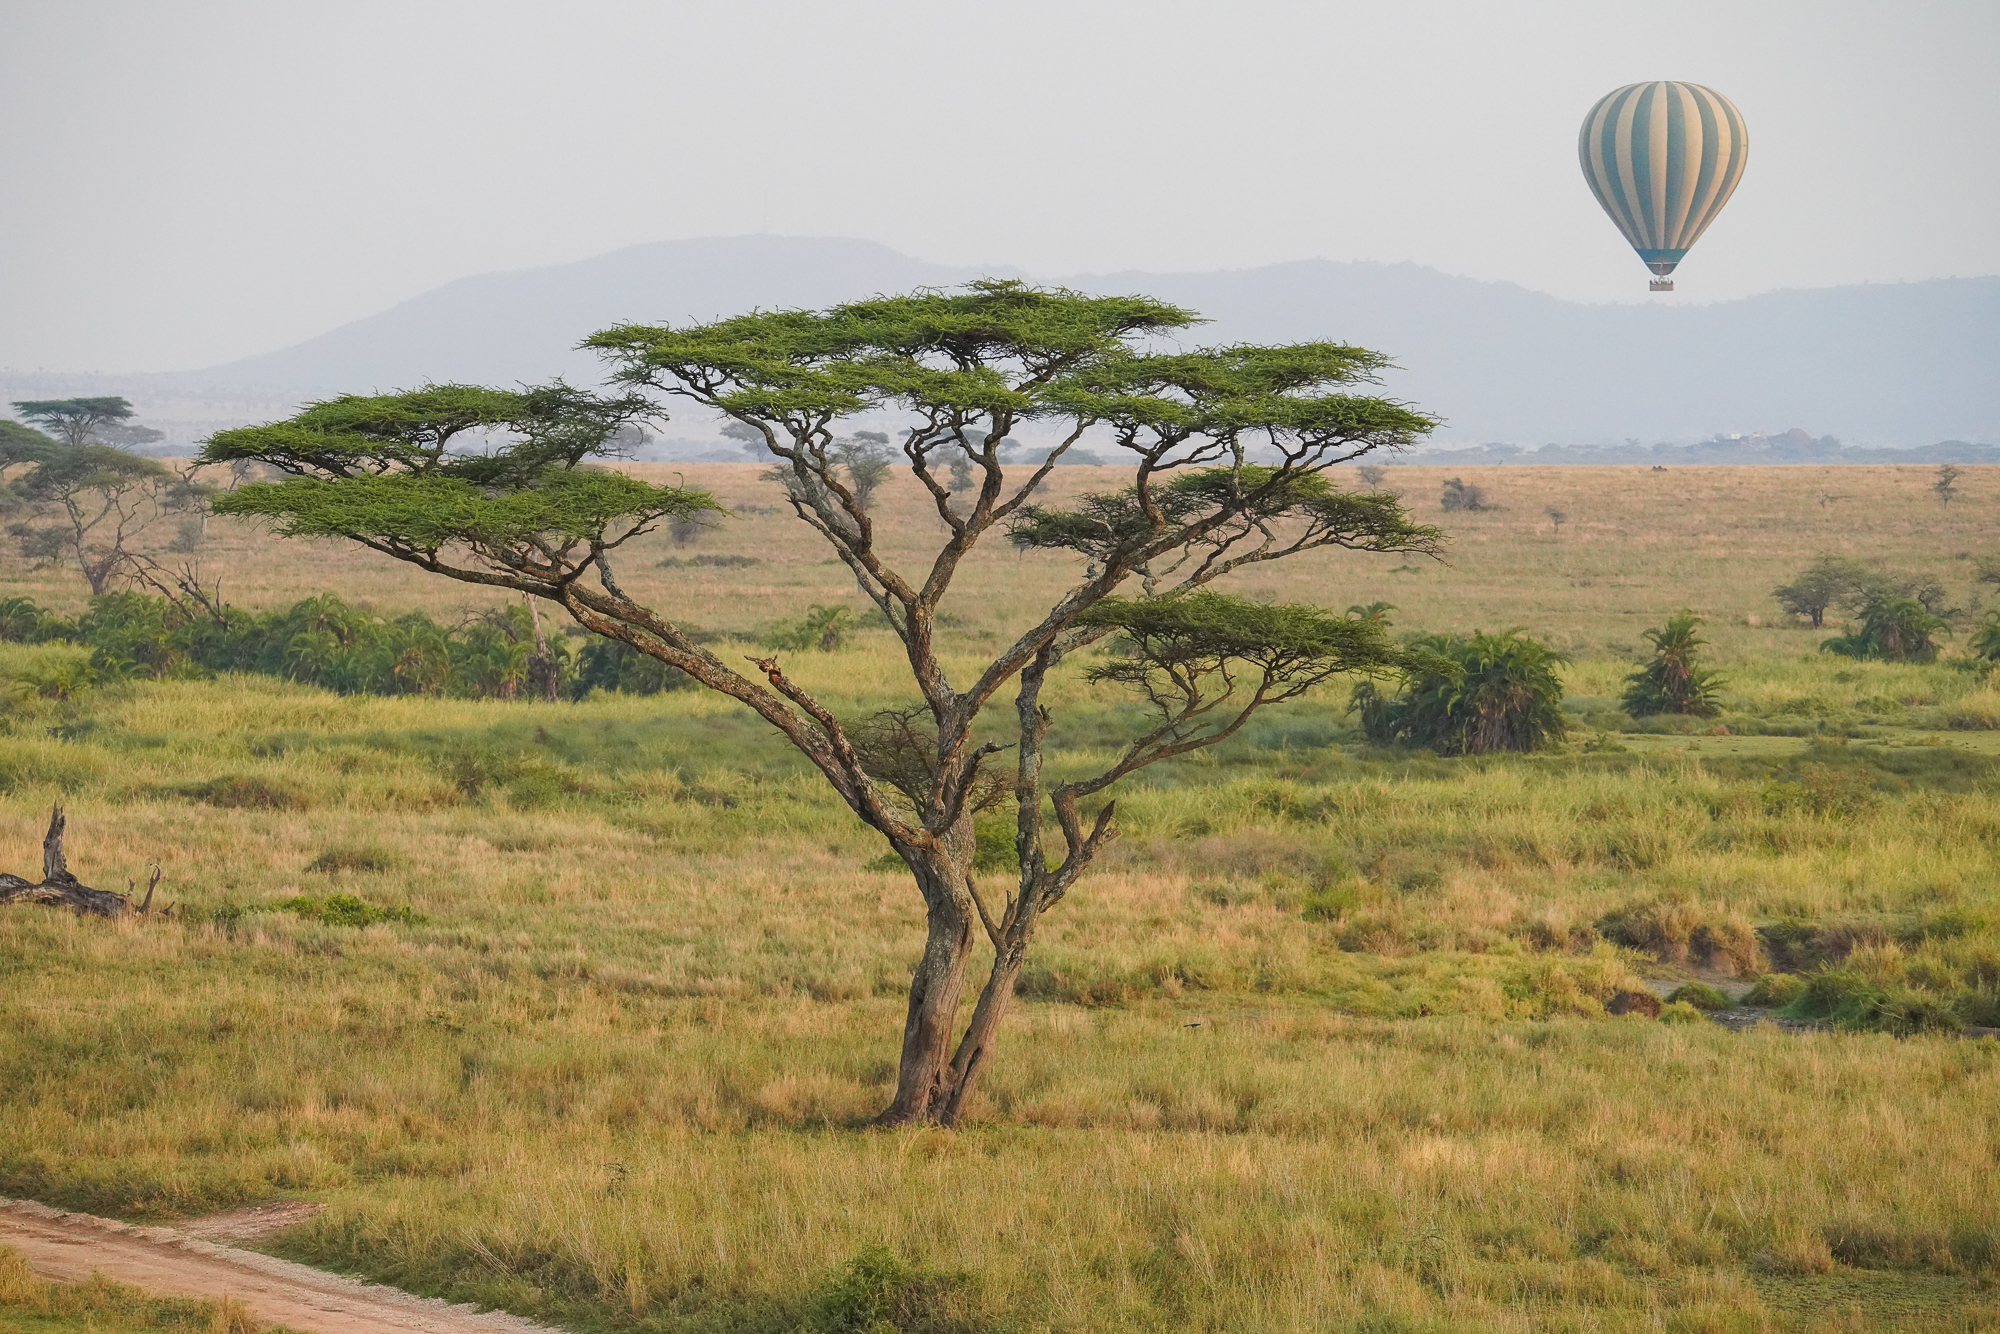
{"type": "Point", "coordinates": [969, 1062]}
{"type": "Point", "coordinates": [922, 1072]}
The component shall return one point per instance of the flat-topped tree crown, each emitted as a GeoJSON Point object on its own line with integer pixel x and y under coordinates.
{"type": "Point", "coordinates": [457, 471]}
{"type": "Point", "coordinates": [1227, 451]}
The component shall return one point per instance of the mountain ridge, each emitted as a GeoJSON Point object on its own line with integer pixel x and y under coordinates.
{"type": "Point", "coordinates": [1901, 364]}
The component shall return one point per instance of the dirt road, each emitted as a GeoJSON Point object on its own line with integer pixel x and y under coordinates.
{"type": "Point", "coordinates": [67, 1246]}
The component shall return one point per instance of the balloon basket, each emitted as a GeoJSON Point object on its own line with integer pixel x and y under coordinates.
{"type": "Point", "coordinates": [1660, 285]}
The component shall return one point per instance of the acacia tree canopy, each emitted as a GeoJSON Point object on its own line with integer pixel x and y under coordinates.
{"type": "Point", "coordinates": [74, 421]}
{"type": "Point", "coordinates": [1227, 450]}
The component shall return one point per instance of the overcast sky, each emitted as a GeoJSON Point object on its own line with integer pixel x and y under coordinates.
{"type": "Point", "coordinates": [184, 183]}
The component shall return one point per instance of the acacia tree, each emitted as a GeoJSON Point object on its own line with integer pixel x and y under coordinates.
{"type": "Point", "coordinates": [76, 421]}
{"type": "Point", "coordinates": [961, 370]}
{"type": "Point", "coordinates": [89, 503]}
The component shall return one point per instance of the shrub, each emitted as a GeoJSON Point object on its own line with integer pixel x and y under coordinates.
{"type": "Point", "coordinates": [1851, 998]}
{"type": "Point", "coordinates": [1459, 496]}
{"type": "Point", "coordinates": [1700, 995]}
{"type": "Point", "coordinates": [1892, 629]}
{"type": "Point", "coordinates": [876, 1293]}
{"type": "Point", "coordinates": [1476, 695]}
{"type": "Point", "coordinates": [1986, 644]}
{"type": "Point", "coordinates": [1775, 990]}
{"type": "Point", "coordinates": [611, 664]}
{"type": "Point", "coordinates": [1680, 1012]}
{"type": "Point", "coordinates": [822, 628]}
{"type": "Point", "coordinates": [1674, 681]}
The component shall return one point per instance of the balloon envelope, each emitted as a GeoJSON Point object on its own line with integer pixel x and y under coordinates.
{"type": "Point", "coordinates": [1663, 158]}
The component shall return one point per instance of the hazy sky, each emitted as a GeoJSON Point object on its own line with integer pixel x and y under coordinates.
{"type": "Point", "coordinates": [183, 183]}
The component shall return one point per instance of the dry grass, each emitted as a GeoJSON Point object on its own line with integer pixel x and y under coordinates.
{"type": "Point", "coordinates": [1322, 1047]}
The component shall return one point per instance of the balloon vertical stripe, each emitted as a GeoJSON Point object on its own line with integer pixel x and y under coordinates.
{"type": "Point", "coordinates": [1662, 159]}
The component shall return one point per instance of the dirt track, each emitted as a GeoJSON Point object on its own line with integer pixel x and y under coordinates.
{"type": "Point", "coordinates": [69, 1247]}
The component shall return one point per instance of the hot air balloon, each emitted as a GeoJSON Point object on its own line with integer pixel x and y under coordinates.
{"type": "Point", "coordinates": [1663, 158]}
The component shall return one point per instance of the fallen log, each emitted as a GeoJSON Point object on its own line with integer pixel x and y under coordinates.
{"type": "Point", "coordinates": [59, 889]}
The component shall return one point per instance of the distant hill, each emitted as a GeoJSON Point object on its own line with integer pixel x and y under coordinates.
{"type": "Point", "coordinates": [1887, 365]}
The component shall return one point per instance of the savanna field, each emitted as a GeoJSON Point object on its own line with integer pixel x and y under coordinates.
{"type": "Point", "coordinates": [581, 1009]}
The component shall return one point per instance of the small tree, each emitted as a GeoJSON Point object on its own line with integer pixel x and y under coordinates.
{"type": "Point", "coordinates": [89, 503]}
{"type": "Point", "coordinates": [1372, 475]}
{"type": "Point", "coordinates": [864, 457]}
{"type": "Point", "coordinates": [1461, 496]}
{"type": "Point", "coordinates": [1557, 518]}
{"type": "Point", "coordinates": [1892, 629]}
{"type": "Point", "coordinates": [1828, 582]}
{"type": "Point", "coordinates": [963, 369]}
{"type": "Point", "coordinates": [1946, 485]}
{"type": "Point", "coordinates": [1674, 681]}
{"type": "Point", "coordinates": [1472, 695]}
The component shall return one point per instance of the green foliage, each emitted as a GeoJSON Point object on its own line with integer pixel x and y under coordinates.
{"type": "Point", "coordinates": [1674, 681]}
{"type": "Point", "coordinates": [1854, 997]}
{"type": "Point", "coordinates": [61, 681]}
{"type": "Point", "coordinates": [1892, 629]}
{"type": "Point", "coordinates": [612, 664]}
{"type": "Point", "coordinates": [1775, 990]}
{"type": "Point", "coordinates": [321, 641]}
{"type": "Point", "coordinates": [876, 1293]}
{"type": "Point", "coordinates": [386, 471]}
{"type": "Point", "coordinates": [1828, 582]}
{"type": "Point", "coordinates": [23, 444]}
{"type": "Point", "coordinates": [1110, 526]}
{"type": "Point", "coordinates": [822, 628]}
{"type": "Point", "coordinates": [1986, 643]}
{"type": "Point", "coordinates": [75, 421]}
{"type": "Point", "coordinates": [1681, 1012]}
{"type": "Point", "coordinates": [1470, 695]}
{"type": "Point", "coordinates": [1700, 995]}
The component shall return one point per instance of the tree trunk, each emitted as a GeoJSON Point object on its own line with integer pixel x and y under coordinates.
{"type": "Point", "coordinates": [922, 1074]}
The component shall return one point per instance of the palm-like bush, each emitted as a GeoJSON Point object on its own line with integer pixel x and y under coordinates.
{"type": "Point", "coordinates": [1892, 629]}
{"type": "Point", "coordinates": [1472, 695]}
{"type": "Point", "coordinates": [1986, 643]}
{"type": "Point", "coordinates": [1674, 681]}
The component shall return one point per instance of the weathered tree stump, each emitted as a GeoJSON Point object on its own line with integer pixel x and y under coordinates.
{"type": "Point", "coordinates": [59, 889]}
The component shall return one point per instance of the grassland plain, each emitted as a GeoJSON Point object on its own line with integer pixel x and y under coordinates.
{"type": "Point", "coordinates": [1322, 1047]}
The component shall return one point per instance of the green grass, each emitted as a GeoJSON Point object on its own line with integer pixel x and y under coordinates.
{"type": "Point", "coordinates": [33, 1305]}
{"type": "Point", "coordinates": [580, 1010]}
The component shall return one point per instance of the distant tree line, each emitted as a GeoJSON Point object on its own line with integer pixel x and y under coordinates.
{"type": "Point", "coordinates": [323, 641]}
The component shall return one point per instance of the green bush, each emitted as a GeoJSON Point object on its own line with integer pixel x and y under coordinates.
{"type": "Point", "coordinates": [1851, 998]}
{"type": "Point", "coordinates": [1674, 681]}
{"type": "Point", "coordinates": [821, 628]}
{"type": "Point", "coordinates": [1892, 629]}
{"type": "Point", "coordinates": [1700, 995]}
{"type": "Point", "coordinates": [1680, 1012]}
{"type": "Point", "coordinates": [1775, 990]}
{"type": "Point", "coordinates": [1478, 694]}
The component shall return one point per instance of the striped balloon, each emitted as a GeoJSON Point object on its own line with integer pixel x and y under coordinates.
{"type": "Point", "coordinates": [1663, 158]}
